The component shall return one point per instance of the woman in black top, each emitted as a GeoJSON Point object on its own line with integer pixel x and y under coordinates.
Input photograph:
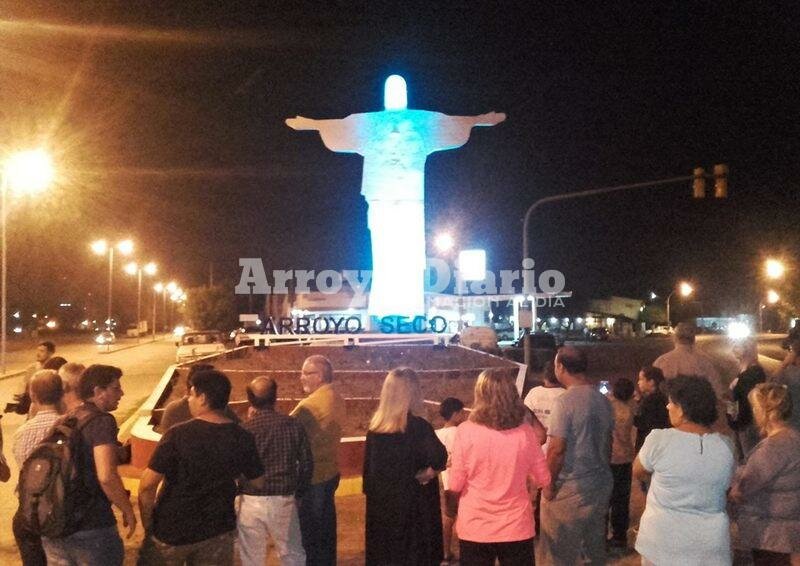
{"type": "Point", "coordinates": [402, 455]}
{"type": "Point", "coordinates": [652, 411]}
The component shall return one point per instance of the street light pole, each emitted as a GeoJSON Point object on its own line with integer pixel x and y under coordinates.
{"type": "Point", "coordinates": [568, 196]}
{"type": "Point", "coordinates": [134, 268]}
{"type": "Point", "coordinates": [110, 284]}
{"type": "Point", "coordinates": [669, 322]}
{"type": "Point", "coordinates": [139, 306]}
{"type": "Point", "coordinates": [4, 270]}
{"type": "Point", "coordinates": [155, 293]}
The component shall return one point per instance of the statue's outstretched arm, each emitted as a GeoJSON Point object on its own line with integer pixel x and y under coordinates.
{"type": "Point", "coordinates": [337, 134]}
{"type": "Point", "coordinates": [301, 123]}
{"type": "Point", "coordinates": [489, 119]}
{"type": "Point", "coordinates": [454, 131]}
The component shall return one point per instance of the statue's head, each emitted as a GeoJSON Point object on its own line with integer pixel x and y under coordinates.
{"type": "Point", "coordinates": [395, 95]}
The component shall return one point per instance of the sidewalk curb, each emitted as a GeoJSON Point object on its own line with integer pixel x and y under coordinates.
{"type": "Point", "coordinates": [133, 346]}
{"type": "Point", "coordinates": [12, 374]}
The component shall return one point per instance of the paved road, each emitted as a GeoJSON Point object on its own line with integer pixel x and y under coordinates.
{"type": "Point", "coordinates": [142, 368]}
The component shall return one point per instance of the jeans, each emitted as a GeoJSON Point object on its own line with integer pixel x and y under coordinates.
{"type": "Point", "coordinates": [574, 522]}
{"type": "Point", "coordinates": [271, 515]}
{"type": "Point", "coordinates": [215, 551]}
{"type": "Point", "coordinates": [619, 506]}
{"type": "Point", "coordinates": [318, 523]}
{"type": "Point", "coordinates": [28, 543]}
{"type": "Point", "coordinates": [517, 553]}
{"type": "Point", "coordinates": [85, 548]}
{"type": "Point", "coordinates": [769, 558]}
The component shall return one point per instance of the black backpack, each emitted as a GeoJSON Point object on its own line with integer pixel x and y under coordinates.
{"type": "Point", "coordinates": [51, 479]}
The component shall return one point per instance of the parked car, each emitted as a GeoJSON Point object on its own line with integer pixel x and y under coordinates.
{"type": "Point", "coordinates": [193, 345]}
{"type": "Point", "coordinates": [660, 330]}
{"type": "Point", "coordinates": [543, 350]}
{"type": "Point", "coordinates": [600, 333]}
{"type": "Point", "coordinates": [245, 336]}
{"type": "Point", "coordinates": [505, 331]}
{"type": "Point", "coordinates": [479, 338]}
{"type": "Point", "coordinates": [105, 337]}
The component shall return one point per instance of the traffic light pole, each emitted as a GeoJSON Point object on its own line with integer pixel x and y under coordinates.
{"type": "Point", "coordinates": [594, 192]}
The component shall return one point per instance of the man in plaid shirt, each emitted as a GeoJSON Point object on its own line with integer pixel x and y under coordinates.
{"type": "Point", "coordinates": [46, 393]}
{"type": "Point", "coordinates": [286, 454]}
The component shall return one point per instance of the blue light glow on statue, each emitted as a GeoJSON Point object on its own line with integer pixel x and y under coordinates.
{"type": "Point", "coordinates": [395, 144]}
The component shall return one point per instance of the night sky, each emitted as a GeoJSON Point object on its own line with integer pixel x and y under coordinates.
{"type": "Point", "coordinates": [167, 119]}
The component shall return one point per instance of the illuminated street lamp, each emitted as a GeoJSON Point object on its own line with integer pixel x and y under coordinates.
{"type": "Point", "coordinates": [101, 247]}
{"type": "Point", "coordinates": [444, 242]}
{"type": "Point", "coordinates": [774, 268]}
{"type": "Point", "coordinates": [684, 289]}
{"type": "Point", "coordinates": [773, 297]}
{"type": "Point", "coordinates": [26, 172]}
{"type": "Point", "coordinates": [134, 268]}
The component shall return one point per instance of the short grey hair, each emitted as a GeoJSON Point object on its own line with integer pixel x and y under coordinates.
{"type": "Point", "coordinates": [70, 374]}
{"type": "Point", "coordinates": [324, 364]}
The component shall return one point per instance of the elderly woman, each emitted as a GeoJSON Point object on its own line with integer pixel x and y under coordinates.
{"type": "Point", "coordinates": [402, 454]}
{"type": "Point", "coordinates": [740, 417]}
{"type": "Point", "coordinates": [690, 469]}
{"type": "Point", "coordinates": [766, 490]}
{"type": "Point", "coordinates": [494, 454]}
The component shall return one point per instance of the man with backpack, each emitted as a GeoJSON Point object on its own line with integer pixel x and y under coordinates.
{"type": "Point", "coordinates": [87, 533]}
{"type": "Point", "coordinates": [46, 393]}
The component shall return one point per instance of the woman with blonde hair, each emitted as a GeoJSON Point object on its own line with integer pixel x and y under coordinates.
{"type": "Point", "coordinates": [766, 489]}
{"type": "Point", "coordinates": [494, 454]}
{"type": "Point", "coordinates": [402, 454]}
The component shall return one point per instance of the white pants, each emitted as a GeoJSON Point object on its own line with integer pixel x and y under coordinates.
{"type": "Point", "coordinates": [275, 516]}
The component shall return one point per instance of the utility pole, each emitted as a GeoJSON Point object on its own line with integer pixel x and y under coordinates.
{"type": "Point", "coordinates": [697, 177]}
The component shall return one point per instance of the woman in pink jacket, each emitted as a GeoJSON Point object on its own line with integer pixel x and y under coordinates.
{"type": "Point", "coordinates": [494, 454]}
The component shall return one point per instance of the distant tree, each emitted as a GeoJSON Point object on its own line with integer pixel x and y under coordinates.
{"type": "Point", "coordinates": [653, 314]}
{"type": "Point", "coordinates": [789, 305]}
{"type": "Point", "coordinates": [211, 308]}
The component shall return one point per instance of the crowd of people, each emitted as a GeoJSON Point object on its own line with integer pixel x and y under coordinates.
{"type": "Point", "coordinates": [546, 479]}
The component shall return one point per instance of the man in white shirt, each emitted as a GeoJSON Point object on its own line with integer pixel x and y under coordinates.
{"type": "Point", "coordinates": [540, 399]}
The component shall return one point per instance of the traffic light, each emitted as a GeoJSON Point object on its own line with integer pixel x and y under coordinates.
{"type": "Point", "coordinates": [720, 180]}
{"type": "Point", "coordinates": [699, 183]}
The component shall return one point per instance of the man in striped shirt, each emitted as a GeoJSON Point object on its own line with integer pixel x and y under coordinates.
{"type": "Point", "coordinates": [46, 393]}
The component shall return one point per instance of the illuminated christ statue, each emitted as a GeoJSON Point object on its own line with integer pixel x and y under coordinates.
{"type": "Point", "coordinates": [395, 144]}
